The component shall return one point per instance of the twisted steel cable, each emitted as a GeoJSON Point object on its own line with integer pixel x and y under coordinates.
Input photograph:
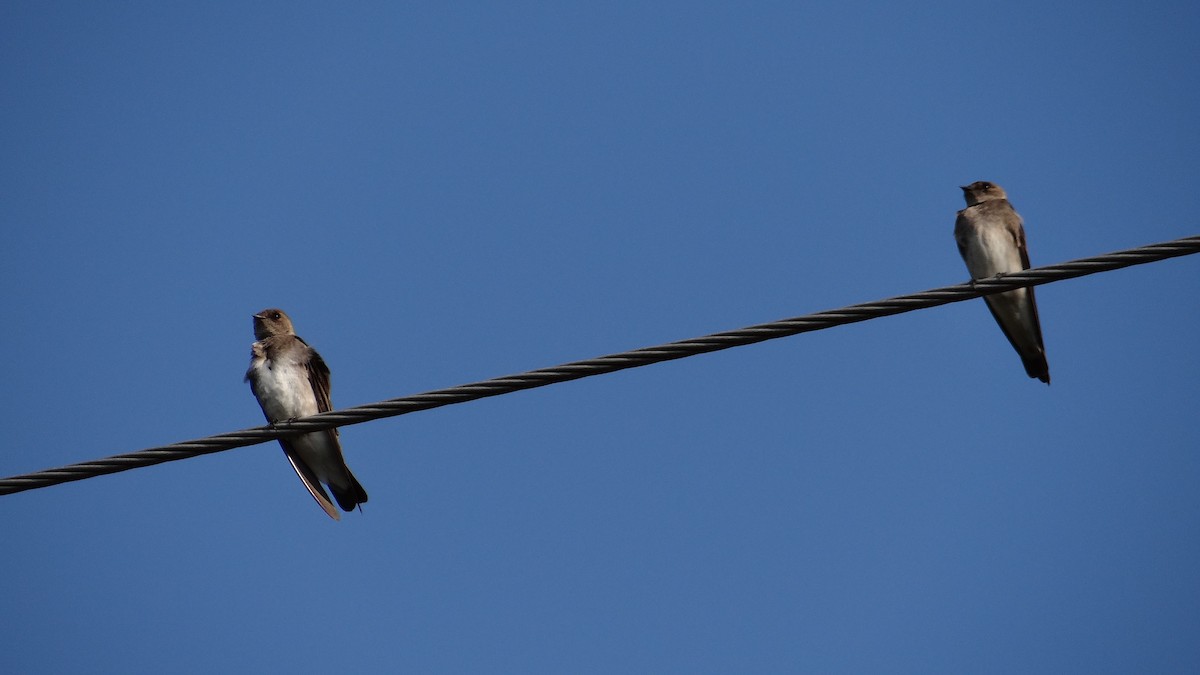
{"type": "Point", "coordinates": [605, 364]}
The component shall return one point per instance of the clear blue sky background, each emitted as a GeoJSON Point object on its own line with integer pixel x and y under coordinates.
{"type": "Point", "coordinates": [445, 193]}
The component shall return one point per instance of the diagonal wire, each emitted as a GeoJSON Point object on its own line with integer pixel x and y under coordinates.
{"type": "Point", "coordinates": [604, 364]}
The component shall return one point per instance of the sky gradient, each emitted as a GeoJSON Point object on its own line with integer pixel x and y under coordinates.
{"type": "Point", "coordinates": [446, 193]}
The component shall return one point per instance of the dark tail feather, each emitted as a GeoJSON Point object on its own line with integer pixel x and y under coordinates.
{"type": "Point", "coordinates": [350, 496]}
{"type": "Point", "coordinates": [1035, 366]}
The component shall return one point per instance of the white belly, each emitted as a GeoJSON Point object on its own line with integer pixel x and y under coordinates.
{"type": "Point", "coordinates": [283, 390]}
{"type": "Point", "coordinates": [992, 251]}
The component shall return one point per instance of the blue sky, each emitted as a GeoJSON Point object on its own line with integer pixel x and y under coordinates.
{"type": "Point", "coordinates": [440, 194]}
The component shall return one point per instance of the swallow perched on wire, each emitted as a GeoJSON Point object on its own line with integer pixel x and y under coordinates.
{"type": "Point", "coordinates": [991, 240]}
{"type": "Point", "coordinates": [290, 380]}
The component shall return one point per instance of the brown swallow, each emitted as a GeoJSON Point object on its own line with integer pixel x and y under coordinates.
{"type": "Point", "coordinates": [290, 380]}
{"type": "Point", "coordinates": [991, 239]}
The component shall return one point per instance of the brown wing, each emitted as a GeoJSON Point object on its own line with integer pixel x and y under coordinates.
{"type": "Point", "coordinates": [1021, 247]}
{"type": "Point", "coordinates": [318, 377]}
{"type": "Point", "coordinates": [1035, 363]}
{"type": "Point", "coordinates": [310, 480]}
{"type": "Point", "coordinates": [960, 234]}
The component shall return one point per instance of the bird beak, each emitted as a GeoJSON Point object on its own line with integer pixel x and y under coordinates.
{"type": "Point", "coordinates": [963, 187]}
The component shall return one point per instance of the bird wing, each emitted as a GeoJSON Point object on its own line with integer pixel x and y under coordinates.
{"type": "Point", "coordinates": [961, 225]}
{"type": "Point", "coordinates": [1019, 235]}
{"type": "Point", "coordinates": [318, 377]}
{"type": "Point", "coordinates": [310, 480]}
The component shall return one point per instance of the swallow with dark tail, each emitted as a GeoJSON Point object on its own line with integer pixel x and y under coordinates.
{"type": "Point", "coordinates": [991, 239]}
{"type": "Point", "coordinates": [290, 380]}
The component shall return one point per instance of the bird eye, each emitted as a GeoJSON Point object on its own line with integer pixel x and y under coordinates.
{"type": "Point", "coordinates": [276, 315]}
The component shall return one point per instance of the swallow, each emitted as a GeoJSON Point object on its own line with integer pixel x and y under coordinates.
{"type": "Point", "coordinates": [290, 380]}
{"type": "Point", "coordinates": [991, 240]}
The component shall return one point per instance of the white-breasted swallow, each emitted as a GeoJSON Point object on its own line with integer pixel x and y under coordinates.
{"type": "Point", "coordinates": [991, 239]}
{"type": "Point", "coordinates": [290, 380]}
